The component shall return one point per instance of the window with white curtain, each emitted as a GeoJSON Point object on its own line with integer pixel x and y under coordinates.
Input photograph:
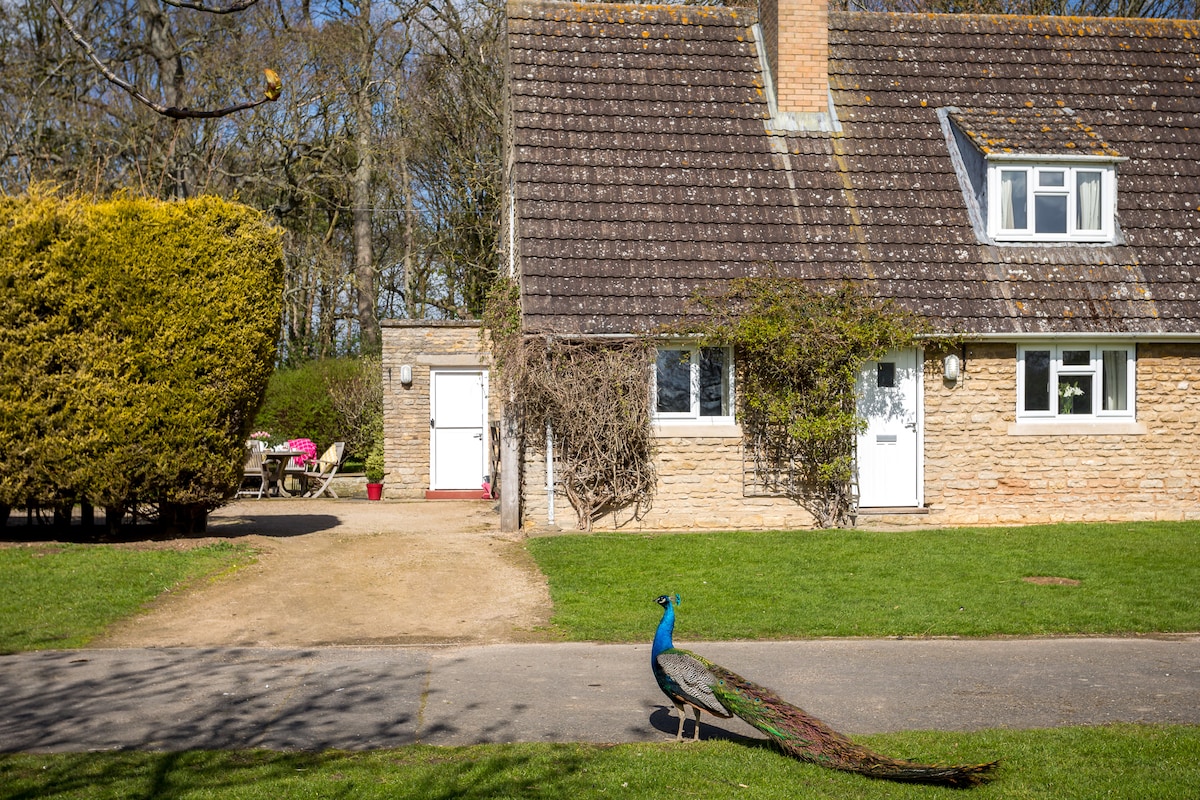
{"type": "Point", "coordinates": [1051, 201]}
{"type": "Point", "coordinates": [1076, 382]}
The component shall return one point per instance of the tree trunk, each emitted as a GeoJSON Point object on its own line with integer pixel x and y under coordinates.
{"type": "Point", "coordinates": [364, 256]}
{"type": "Point", "coordinates": [361, 197]}
{"type": "Point", "coordinates": [161, 45]}
{"type": "Point", "coordinates": [410, 243]}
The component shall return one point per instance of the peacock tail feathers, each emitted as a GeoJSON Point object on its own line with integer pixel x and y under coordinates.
{"type": "Point", "coordinates": [803, 736]}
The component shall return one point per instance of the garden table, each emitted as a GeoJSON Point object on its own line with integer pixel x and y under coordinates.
{"type": "Point", "coordinates": [274, 465]}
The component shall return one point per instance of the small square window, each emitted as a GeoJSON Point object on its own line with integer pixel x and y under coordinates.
{"type": "Point", "coordinates": [1050, 211]}
{"type": "Point", "coordinates": [885, 375]}
{"type": "Point", "coordinates": [1076, 358]}
{"type": "Point", "coordinates": [1051, 177]}
{"type": "Point", "coordinates": [1074, 394]}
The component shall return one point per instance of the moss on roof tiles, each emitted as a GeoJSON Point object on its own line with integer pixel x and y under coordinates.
{"type": "Point", "coordinates": [1030, 130]}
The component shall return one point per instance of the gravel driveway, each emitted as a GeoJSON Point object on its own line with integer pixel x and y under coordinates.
{"type": "Point", "coordinates": [354, 572]}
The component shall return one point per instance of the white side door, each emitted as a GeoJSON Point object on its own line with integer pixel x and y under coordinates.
{"type": "Point", "coordinates": [889, 450]}
{"type": "Point", "coordinates": [458, 428]}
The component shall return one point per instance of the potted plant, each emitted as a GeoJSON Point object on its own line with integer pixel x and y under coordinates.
{"type": "Point", "coordinates": [375, 473]}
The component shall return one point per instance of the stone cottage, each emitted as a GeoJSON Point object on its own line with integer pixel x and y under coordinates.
{"type": "Point", "coordinates": [1031, 184]}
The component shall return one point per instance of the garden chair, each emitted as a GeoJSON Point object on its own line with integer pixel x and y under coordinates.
{"type": "Point", "coordinates": [254, 477]}
{"type": "Point", "coordinates": [323, 470]}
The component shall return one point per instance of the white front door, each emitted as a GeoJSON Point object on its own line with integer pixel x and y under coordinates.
{"type": "Point", "coordinates": [458, 428]}
{"type": "Point", "coordinates": [889, 450]}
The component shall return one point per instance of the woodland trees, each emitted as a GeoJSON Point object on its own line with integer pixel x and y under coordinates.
{"type": "Point", "coordinates": [380, 159]}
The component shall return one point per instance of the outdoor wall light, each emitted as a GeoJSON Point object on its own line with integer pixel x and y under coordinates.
{"type": "Point", "coordinates": [406, 374]}
{"type": "Point", "coordinates": [951, 368]}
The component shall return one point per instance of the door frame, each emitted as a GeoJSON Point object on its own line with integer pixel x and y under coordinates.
{"type": "Point", "coordinates": [483, 372]}
{"type": "Point", "coordinates": [918, 374]}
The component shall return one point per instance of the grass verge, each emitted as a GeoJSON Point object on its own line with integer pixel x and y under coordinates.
{"type": "Point", "coordinates": [1147, 762]}
{"type": "Point", "coordinates": [61, 596]}
{"type": "Point", "coordinates": [1118, 579]}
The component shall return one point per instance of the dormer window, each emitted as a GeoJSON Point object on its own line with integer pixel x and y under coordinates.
{"type": "Point", "coordinates": [1034, 176]}
{"type": "Point", "coordinates": [1050, 201]}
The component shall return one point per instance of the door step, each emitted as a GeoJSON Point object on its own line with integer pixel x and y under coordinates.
{"type": "Point", "coordinates": [454, 494]}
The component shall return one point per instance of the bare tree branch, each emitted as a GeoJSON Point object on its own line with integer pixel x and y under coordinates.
{"type": "Point", "coordinates": [172, 112]}
{"type": "Point", "coordinates": [237, 5]}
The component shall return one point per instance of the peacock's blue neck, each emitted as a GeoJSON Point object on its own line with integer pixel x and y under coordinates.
{"type": "Point", "coordinates": [662, 636]}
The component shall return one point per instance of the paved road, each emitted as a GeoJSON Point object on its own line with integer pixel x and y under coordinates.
{"type": "Point", "coordinates": [356, 698]}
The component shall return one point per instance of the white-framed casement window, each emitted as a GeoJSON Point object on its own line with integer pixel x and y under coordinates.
{"type": "Point", "coordinates": [1076, 382]}
{"type": "Point", "coordinates": [693, 384]}
{"type": "Point", "coordinates": [1054, 201]}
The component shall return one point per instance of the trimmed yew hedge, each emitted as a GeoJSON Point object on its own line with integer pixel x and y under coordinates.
{"type": "Point", "coordinates": [136, 340]}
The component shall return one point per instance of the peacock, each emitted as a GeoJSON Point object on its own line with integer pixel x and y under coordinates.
{"type": "Point", "coordinates": [691, 680]}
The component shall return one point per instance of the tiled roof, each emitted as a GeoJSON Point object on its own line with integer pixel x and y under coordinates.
{"type": "Point", "coordinates": [1031, 132]}
{"type": "Point", "coordinates": [645, 173]}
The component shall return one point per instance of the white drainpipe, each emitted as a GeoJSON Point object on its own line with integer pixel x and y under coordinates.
{"type": "Point", "coordinates": [549, 475]}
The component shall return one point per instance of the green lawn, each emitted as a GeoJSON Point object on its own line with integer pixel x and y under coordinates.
{"type": "Point", "coordinates": [1132, 577]}
{"type": "Point", "coordinates": [1122, 761]}
{"type": "Point", "coordinates": [1138, 577]}
{"type": "Point", "coordinates": [62, 595]}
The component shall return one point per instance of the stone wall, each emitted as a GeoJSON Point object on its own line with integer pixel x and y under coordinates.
{"type": "Point", "coordinates": [699, 487]}
{"type": "Point", "coordinates": [981, 468]}
{"type": "Point", "coordinates": [422, 345]}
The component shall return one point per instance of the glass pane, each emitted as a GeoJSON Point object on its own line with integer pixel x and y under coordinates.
{"type": "Point", "coordinates": [714, 392]}
{"type": "Point", "coordinates": [1051, 178]}
{"type": "Point", "coordinates": [1050, 213]}
{"type": "Point", "coordinates": [1037, 380]}
{"type": "Point", "coordinates": [1013, 200]}
{"type": "Point", "coordinates": [1088, 202]}
{"type": "Point", "coordinates": [1077, 358]}
{"type": "Point", "coordinates": [1116, 381]}
{"type": "Point", "coordinates": [885, 375]}
{"type": "Point", "coordinates": [674, 381]}
{"type": "Point", "coordinates": [1075, 394]}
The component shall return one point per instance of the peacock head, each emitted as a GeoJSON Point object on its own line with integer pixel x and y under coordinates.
{"type": "Point", "coordinates": [664, 600]}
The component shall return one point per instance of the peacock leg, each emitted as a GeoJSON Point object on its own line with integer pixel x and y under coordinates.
{"type": "Point", "coordinates": [682, 718]}
{"type": "Point", "coordinates": [696, 729]}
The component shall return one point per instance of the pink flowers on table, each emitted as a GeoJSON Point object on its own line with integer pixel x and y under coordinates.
{"type": "Point", "coordinates": [304, 446]}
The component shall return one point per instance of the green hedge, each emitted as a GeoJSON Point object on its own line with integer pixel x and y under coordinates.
{"type": "Point", "coordinates": [136, 340]}
{"type": "Point", "coordinates": [328, 400]}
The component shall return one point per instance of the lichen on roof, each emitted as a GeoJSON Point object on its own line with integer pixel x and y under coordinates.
{"type": "Point", "coordinates": [1031, 131]}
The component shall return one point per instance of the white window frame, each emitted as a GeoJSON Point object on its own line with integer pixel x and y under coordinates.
{"type": "Point", "coordinates": [693, 415]}
{"type": "Point", "coordinates": [1094, 369]}
{"type": "Point", "coordinates": [1034, 171]}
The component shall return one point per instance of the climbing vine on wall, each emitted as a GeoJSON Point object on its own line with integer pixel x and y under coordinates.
{"type": "Point", "coordinates": [592, 395]}
{"type": "Point", "coordinates": [798, 352]}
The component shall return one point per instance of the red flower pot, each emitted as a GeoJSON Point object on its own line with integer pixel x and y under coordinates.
{"type": "Point", "coordinates": [374, 491]}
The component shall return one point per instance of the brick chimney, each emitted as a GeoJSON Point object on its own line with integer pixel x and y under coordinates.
{"type": "Point", "coordinates": [796, 40]}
